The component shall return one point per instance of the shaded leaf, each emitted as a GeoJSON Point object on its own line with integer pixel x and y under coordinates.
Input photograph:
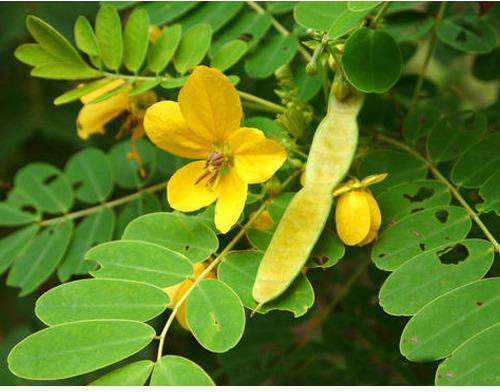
{"type": "Point", "coordinates": [41, 257]}
{"type": "Point", "coordinates": [92, 230]}
{"type": "Point", "coordinates": [490, 193]}
{"type": "Point", "coordinates": [89, 172]}
{"type": "Point", "coordinates": [13, 245]}
{"type": "Point", "coordinates": [216, 14]}
{"type": "Point", "coordinates": [144, 204]}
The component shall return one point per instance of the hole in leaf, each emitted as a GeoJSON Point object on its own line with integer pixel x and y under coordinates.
{"type": "Point", "coordinates": [479, 303]}
{"type": "Point", "coordinates": [442, 215]}
{"type": "Point", "coordinates": [453, 255]}
{"type": "Point", "coordinates": [416, 210]}
{"type": "Point", "coordinates": [29, 209]}
{"type": "Point", "coordinates": [462, 37]}
{"type": "Point", "coordinates": [77, 184]}
{"type": "Point", "coordinates": [381, 255]}
{"type": "Point", "coordinates": [48, 180]}
{"type": "Point", "coordinates": [422, 194]}
{"type": "Point", "coordinates": [187, 247]}
{"type": "Point", "coordinates": [471, 29]}
{"type": "Point", "coordinates": [422, 246]}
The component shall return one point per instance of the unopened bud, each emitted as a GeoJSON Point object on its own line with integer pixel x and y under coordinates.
{"type": "Point", "coordinates": [341, 87]}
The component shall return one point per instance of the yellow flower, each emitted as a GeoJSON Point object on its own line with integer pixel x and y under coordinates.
{"type": "Point", "coordinates": [176, 292]}
{"type": "Point", "coordinates": [357, 214]}
{"type": "Point", "coordinates": [205, 125]}
{"type": "Point", "coordinates": [93, 117]}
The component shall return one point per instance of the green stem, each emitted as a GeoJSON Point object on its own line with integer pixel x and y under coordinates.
{"type": "Point", "coordinates": [279, 28]}
{"type": "Point", "coordinates": [428, 56]}
{"type": "Point", "coordinates": [108, 204]}
{"type": "Point", "coordinates": [453, 190]}
{"type": "Point", "coordinates": [381, 12]}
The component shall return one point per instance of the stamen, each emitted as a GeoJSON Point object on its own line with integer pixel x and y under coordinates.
{"type": "Point", "coordinates": [213, 164]}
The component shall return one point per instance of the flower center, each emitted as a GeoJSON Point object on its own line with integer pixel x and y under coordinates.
{"type": "Point", "coordinates": [213, 165]}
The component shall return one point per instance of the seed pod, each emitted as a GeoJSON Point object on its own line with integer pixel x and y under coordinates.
{"type": "Point", "coordinates": [330, 156]}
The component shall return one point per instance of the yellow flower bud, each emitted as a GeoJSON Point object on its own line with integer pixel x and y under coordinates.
{"type": "Point", "coordinates": [263, 222]}
{"type": "Point", "coordinates": [177, 292]}
{"type": "Point", "coordinates": [357, 217]}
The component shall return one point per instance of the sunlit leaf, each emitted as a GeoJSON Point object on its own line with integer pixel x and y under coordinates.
{"type": "Point", "coordinates": [164, 48]}
{"type": "Point", "coordinates": [193, 47]}
{"type": "Point", "coordinates": [136, 39]}
{"type": "Point", "coordinates": [71, 349]}
{"type": "Point", "coordinates": [132, 374]}
{"type": "Point", "coordinates": [173, 370]}
{"type": "Point", "coordinates": [108, 30]}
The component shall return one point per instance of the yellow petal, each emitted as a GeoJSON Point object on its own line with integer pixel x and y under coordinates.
{"type": "Point", "coordinates": [352, 217]}
{"type": "Point", "coordinates": [375, 219]}
{"type": "Point", "coordinates": [231, 201]}
{"type": "Point", "coordinates": [165, 126]}
{"type": "Point", "coordinates": [210, 104]}
{"type": "Point", "coordinates": [182, 192]}
{"type": "Point", "coordinates": [93, 117]}
{"type": "Point", "coordinates": [373, 179]}
{"type": "Point", "coordinates": [256, 158]}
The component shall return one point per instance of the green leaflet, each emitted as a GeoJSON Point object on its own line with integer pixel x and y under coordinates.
{"type": "Point", "coordinates": [126, 171]}
{"type": "Point", "coordinates": [177, 232]}
{"type": "Point", "coordinates": [136, 40]}
{"type": "Point", "coordinates": [93, 229]}
{"type": "Point", "coordinates": [71, 349]}
{"type": "Point", "coordinates": [419, 232]}
{"type": "Point", "coordinates": [108, 30]}
{"type": "Point", "coordinates": [238, 271]}
{"type": "Point", "coordinates": [34, 55]}
{"type": "Point", "coordinates": [13, 245]}
{"type": "Point", "coordinates": [141, 262]}
{"type": "Point", "coordinates": [273, 52]}
{"type": "Point", "coordinates": [443, 324]}
{"type": "Point", "coordinates": [229, 54]}
{"type": "Point", "coordinates": [482, 351]}
{"type": "Point", "coordinates": [89, 172]}
{"type": "Point", "coordinates": [467, 32]}
{"type": "Point", "coordinates": [406, 198]}
{"type": "Point", "coordinates": [96, 299]}
{"type": "Point", "coordinates": [162, 12]}
{"type": "Point", "coordinates": [215, 315]}
{"type": "Point", "coordinates": [78, 92]}
{"type": "Point", "coordinates": [401, 167]}
{"type": "Point", "coordinates": [490, 193]}
{"type": "Point", "coordinates": [164, 48]}
{"type": "Point", "coordinates": [39, 260]}
{"type": "Point", "coordinates": [133, 374]}
{"type": "Point", "coordinates": [454, 134]}
{"type": "Point", "coordinates": [13, 215]}
{"type": "Point", "coordinates": [46, 185]}
{"type": "Point", "coordinates": [215, 13]}
{"type": "Point", "coordinates": [435, 272]}
{"type": "Point", "coordinates": [252, 26]}
{"type": "Point", "coordinates": [372, 60]}
{"type": "Point", "coordinates": [144, 204]}
{"type": "Point", "coordinates": [173, 370]}
{"type": "Point", "coordinates": [193, 47]}
{"type": "Point", "coordinates": [467, 173]}
{"type": "Point", "coordinates": [52, 41]}
{"type": "Point", "coordinates": [85, 38]}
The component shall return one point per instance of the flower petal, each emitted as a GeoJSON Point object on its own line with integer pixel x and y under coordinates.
{"type": "Point", "coordinates": [182, 192]}
{"type": "Point", "coordinates": [231, 201]}
{"type": "Point", "coordinates": [166, 127]}
{"type": "Point", "coordinates": [256, 158]}
{"type": "Point", "coordinates": [210, 104]}
{"type": "Point", "coordinates": [93, 117]}
{"type": "Point", "coordinates": [375, 219]}
{"type": "Point", "coordinates": [352, 217]}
